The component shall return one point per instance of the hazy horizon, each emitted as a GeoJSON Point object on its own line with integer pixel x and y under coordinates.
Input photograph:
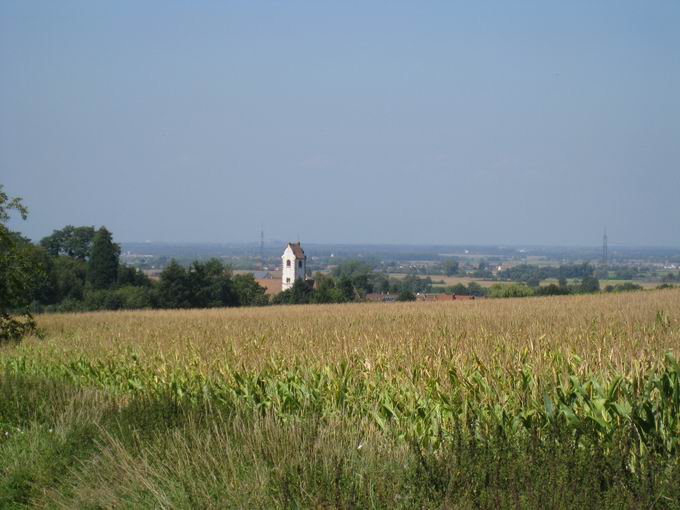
{"type": "Point", "coordinates": [531, 123]}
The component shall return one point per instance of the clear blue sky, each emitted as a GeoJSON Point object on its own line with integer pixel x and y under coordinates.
{"type": "Point", "coordinates": [398, 122]}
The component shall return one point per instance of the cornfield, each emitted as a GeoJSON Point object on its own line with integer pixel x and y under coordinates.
{"type": "Point", "coordinates": [584, 373]}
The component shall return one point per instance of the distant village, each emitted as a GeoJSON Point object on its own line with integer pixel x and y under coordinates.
{"type": "Point", "coordinates": [447, 276]}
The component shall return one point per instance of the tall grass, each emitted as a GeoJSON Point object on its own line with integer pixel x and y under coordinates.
{"type": "Point", "coordinates": [550, 402]}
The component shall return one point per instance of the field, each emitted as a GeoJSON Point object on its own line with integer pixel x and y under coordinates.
{"type": "Point", "coordinates": [536, 403]}
{"type": "Point", "coordinates": [453, 280]}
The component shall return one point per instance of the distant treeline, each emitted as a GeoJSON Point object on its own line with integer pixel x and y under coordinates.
{"type": "Point", "coordinates": [79, 269]}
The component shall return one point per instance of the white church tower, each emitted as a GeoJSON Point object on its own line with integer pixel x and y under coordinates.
{"type": "Point", "coordinates": [294, 265]}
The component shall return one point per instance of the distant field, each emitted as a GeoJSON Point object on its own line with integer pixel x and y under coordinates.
{"type": "Point", "coordinates": [604, 283]}
{"type": "Point", "coordinates": [450, 280]}
{"type": "Point", "coordinates": [534, 403]}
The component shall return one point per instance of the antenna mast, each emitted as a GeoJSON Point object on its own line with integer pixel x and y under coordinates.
{"type": "Point", "coordinates": [262, 247]}
{"type": "Point", "coordinates": [605, 254]}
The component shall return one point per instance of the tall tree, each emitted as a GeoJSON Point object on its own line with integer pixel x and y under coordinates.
{"type": "Point", "coordinates": [102, 268]}
{"type": "Point", "coordinates": [450, 267]}
{"type": "Point", "coordinates": [16, 275]}
{"type": "Point", "coordinates": [248, 291]}
{"type": "Point", "coordinates": [173, 289]}
{"type": "Point", "coordinates": [75, 242]}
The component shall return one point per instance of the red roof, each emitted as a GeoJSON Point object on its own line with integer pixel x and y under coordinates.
{"type": "Point", "coordinates": [297, 250]}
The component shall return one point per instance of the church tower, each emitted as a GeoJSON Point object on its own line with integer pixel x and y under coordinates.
{"type": "Point", "coordinates": [294, 265]}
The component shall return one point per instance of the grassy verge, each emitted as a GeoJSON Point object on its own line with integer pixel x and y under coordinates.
{"type": "Point", "coordinates": [71, 447]}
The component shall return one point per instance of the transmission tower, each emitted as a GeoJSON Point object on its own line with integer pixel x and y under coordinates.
{"type": "Point", "coordinates": [262, 247]}
{"type": "Point", "coordinates": [605, 254]}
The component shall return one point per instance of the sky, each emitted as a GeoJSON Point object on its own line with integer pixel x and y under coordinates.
{"type": "Point", "coordinates": [345, 122]}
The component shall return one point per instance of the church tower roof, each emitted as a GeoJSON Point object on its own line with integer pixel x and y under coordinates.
{"type": "Point", "coordinates": [297, 250]}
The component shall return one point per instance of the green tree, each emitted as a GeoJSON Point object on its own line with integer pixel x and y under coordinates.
{"type": "Point", "coordinates": [69, 276]}
{"type": "Point", "coordinates": [16, 275]}
{"type": "Point", "coordinates": [210, 285]}
{"type": "Point", "coordinates": [458, 289]}
{"type": "Point", "coordinates": [346, 288]}
{"type": "Point", "coordinates": [102, 271]}
{"type": "Point", "coordinates": [248, 291]}
{"type": "Point", "coordinates": [450, 267]}
{"type": "Point", "coordinates": [475, 289]}
{"type": "Point", "coordinates": [510, 291]}
{"type": "Point", "coordinates": [589, 284]}
{"type": "Point", "coordinates": [326, 290]}
{"type": "Point", "coordinates": [301, 292]}
{"type": "Point", "coordinates": [74, 242]}
{"type": "Point", "coordinates": [406, 295]}
{"type": "Point", "coordinates": [173, 289]}
{"type": "Point", "coordinates": [131, 276]}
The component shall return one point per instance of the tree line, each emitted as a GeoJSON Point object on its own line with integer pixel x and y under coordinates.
{"type": "Point", "coordinates": [79, 269]}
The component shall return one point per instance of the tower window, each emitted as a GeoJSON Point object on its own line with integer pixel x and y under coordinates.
{"type": "Point", "coordinates": [287, 280]}
{"type": "Point", "coordinates": [300, 264]}
{"type": "Point", "coordinates": [287, 263]}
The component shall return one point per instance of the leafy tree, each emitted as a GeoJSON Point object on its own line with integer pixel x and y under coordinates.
{"type": "Point", "coordinates": [204, 285]}
{"type": "Point", "coordinates": [103, 263]}
{"type": "Point", "coordinates": [359, 273]}
{"type": "Point", "coordinates": [472, 289]}
{"type": "Point", "coordinates": [75, 242]}
{"type": "Point", "coordinates": [326, 290]}
{"type": "Point", "coordinates": [68, 276]}
{"type": "Point", "coordinates": [509, 291]}
{"type": "Point", "coordinates": [414, 283]}
{"type": "Point", "coordinates": [458, 289]}
{"type": "Point", "coordinates": [352, 268]}
{"type": "Point", "coordinates": [551, 290]}
{"type": "Point", "coordinates": [381, 283]}
{"type": "Point", "coordinates": [450, 267]}
{"type": "Point", "coordinates": [131, 276]}
{"type": "Point", "coordinates": [406, 295]}
{"type": "Point", "coordinates": [210, 285]}
{"type": "Point", "coordinates": [300, 292]}
{"type": "Point", "coordinates": [248, 291]}
{"type": "Point", "coordinates": [589, 284]}
{"type": "Point", "coordinates": [475, 289]}
{"type": "Point", "coordinates": [346, 288]}
{"type": "Point", "coordinates": [283, 298]}
{"type": "Point", "coordinates": [623, 287]}
{"type": "Point", "coordinates": [534, 282]}
{"type": "Point", "coordinates": [133, 297]}
{"type": "Point", "coordinates": [16, 275]}
{"type": "Point", "coordinates": [173, 289]}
